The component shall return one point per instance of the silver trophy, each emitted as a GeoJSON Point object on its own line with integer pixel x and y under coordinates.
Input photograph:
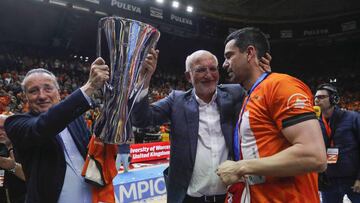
{"type": "Point", "coordinates": [129, 41]}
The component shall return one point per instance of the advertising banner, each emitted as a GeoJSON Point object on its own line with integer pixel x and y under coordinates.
{"type": "Point", "coordinates": [149, 151]}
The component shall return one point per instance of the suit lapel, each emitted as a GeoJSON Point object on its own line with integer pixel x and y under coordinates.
{"type": "Point", "coordinates": [77, 133]}
{"type": "Point", "coordinates": [192, 121]}
{"type": "Point", "coordinates": [224, 104]}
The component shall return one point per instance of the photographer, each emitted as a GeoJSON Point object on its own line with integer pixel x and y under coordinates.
{"type": "Point", "coordinates": [12, 185]}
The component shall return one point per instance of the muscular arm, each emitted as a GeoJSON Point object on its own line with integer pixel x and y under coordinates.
{"type": "Point", "coordinates": [306, 154]}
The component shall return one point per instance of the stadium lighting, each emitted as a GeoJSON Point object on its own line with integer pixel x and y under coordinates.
{"type": "Point", "coordinates": [59, 3]}
{"type": "Point", "coordinates": [175, 4]}
{"type": "Point", "coordinates": [101, 13]}
{"type": "Point", "coordinates": [94, 1]}
{"type": "Point", "coordinates": [189, 9]}
{"type": "Point", "coordinates": [81, 8]}
{"type": "Point", "coordinates": [160, 1]}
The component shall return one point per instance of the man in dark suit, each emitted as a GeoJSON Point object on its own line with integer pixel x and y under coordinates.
{"type": "Point", "coordinates": [51, 139]}
{"type": "Point", "coordinates": [202, 122]}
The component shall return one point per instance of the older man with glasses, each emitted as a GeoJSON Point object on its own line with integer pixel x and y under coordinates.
{"type": "Point", "coordinates": [202, 122]}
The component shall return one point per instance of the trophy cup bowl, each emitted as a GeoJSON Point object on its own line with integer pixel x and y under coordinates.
{"type": "Point", "coordinates": [129, 42]}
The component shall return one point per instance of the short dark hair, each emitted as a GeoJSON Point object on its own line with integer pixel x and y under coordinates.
{"type": "Point", "coordinates": [330, 88]}
{"type": "Point", "coordinates": [332, 92]}
{"type": "Point", "coordinates": [250, 36]}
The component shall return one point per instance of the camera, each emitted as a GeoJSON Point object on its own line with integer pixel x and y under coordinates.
{"type": "Point", "coordinates": [4, 150]}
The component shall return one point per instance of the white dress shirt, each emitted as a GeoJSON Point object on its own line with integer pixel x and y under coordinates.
{"type": "Point", "coordinates": [211, 151]}
{"type": "Point", "coordinates": [75, 189]}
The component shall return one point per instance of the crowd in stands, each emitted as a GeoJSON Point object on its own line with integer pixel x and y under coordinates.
{"type": "Point", "coordinates": [348, 86]}
{"type": "Point", "coordinates": [72, 72]}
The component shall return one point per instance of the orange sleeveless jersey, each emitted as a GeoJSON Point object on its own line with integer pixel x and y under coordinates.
{"type": "Point", "coordinates": [274, 105]}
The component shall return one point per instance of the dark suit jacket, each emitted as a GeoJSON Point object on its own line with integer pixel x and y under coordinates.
{"type": "Point", "coordinates": [36, 141]}
{"type": "Point", "coordinates": [182, 110]}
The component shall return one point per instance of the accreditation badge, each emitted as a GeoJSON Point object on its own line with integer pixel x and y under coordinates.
{"type": "Point", "coordinates": [332, 155]}
{"type": "Point", "coordinates": [2, 177]}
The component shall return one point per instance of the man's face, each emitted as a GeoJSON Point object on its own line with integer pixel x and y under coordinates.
{"type": "Point", "coordinates": [41, 92]}
{"type": "Point", "coordinates": [204, 75]}
{"type": "Point", "coordinates": [322, 99]}
{"type": "Point", "coordinates": [236, 63]}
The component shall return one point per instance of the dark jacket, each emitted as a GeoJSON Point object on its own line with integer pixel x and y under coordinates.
{"type": "Point", "coordinates": [182, 110]}
{"type": "Point", "coordinates": [40, 151]}
{"type": "Point", "coordinates": [345, 132]}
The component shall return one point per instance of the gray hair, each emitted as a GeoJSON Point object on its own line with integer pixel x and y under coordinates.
{"type": "Point", "coordinates": [190, 59]}
{"type": "Point", "coordinates": [39, 71]}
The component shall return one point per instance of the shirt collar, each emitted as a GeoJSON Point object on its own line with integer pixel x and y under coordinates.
{"type": "Point", "coordinates": [201, 102]}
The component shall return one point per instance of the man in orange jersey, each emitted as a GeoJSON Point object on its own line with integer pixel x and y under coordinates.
{"type": "Point", "coordinates": [277, 138]}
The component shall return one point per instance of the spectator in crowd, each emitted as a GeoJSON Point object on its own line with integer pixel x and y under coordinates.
{"type": "Point", "coordinates": [51, 139]}
{"type": "Point", "coordinates": [123, 156]}
{"type": "Point", "coordinates": [277, 142]}
{"type": "Point", "coordinates": [341, 133]}
{"type": "Point", "coordinates": [13, 188]}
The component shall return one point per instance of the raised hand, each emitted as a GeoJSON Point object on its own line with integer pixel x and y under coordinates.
{"type": "Point", "coordinates": [99, 74]}
{"type": "Point", "coordinates": [149, 67]}
{"type": "Point", "coordinates": [265, 62]}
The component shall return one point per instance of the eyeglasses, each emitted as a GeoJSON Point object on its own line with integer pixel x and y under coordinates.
{"type": "Point", "coordinates": [36, 90]}
{"type": "Point", "coordinates": [320, 97]}
{"type": "Point", "coordinates": [203, 70]}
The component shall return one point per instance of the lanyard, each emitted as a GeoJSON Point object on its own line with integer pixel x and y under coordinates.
{"type": "Point", "coordinates": [237, 148]}
{"type": "Point", "coordinates": [328, 131]}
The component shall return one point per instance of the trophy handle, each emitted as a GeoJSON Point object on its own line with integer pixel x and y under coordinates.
{"type": "Point", "coordinates": [140, 84]}
{"type": "Point", "coordinates": [98, 50]}
{"type": "Point", "coordinates": [153, 42]}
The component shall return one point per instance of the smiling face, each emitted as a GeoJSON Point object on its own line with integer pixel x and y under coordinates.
{"type": "Point", "coordinates": [203, 75]}
{"type": "Point", "coordinates": [41, 92]}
